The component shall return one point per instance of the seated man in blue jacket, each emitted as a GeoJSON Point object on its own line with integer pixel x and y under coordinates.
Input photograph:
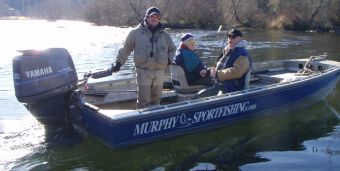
{"type": "Point", "coordinates": [195, 71]}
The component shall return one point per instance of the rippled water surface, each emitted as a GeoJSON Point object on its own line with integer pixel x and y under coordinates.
{"type": "Point", "coordinates": [306, 139]}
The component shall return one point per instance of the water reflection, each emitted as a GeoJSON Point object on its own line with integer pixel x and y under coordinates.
{"type": "Point", "coordinates": [319, 154]}
{"type": "Point", "coordinates": [19, 138]}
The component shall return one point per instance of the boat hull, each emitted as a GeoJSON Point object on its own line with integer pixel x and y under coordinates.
{"type": "Point", "coordinates": [190, 116]}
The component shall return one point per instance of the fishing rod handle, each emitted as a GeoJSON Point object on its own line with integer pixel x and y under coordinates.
{"type": "Point", "coordinates": [101, 74]}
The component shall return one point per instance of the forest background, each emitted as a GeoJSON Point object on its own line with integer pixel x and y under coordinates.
{"type": "Point", "coordinates": [301, 15]}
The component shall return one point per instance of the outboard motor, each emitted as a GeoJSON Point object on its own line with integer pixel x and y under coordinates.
{"type": "Point", "coordinates": [44, 81]}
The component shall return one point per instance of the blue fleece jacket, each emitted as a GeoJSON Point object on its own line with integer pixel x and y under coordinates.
{"type": "Point", "coordinates": [190, 62]}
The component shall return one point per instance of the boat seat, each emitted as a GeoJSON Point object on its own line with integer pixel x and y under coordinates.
{"type": "Point", "coordinates": [247, 81]}
{"type": "Point", "coordinates": [180, 82]}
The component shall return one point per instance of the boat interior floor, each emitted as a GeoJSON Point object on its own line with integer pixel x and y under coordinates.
{"type": "Point", "coordinates": [126, 100]}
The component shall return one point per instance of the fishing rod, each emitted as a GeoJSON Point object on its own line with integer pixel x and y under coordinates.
{"type": "Point", "coordinates": [94, 75]}
{"type": "Point", "coordinates": [103, 93]}
{"type": "Point", "coordinates": [229, 24]}
{"type": "Point", "coordinates": [229, 18]}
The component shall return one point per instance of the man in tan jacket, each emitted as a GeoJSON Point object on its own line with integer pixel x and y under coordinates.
{"type": "Point", "coordinates": [233, 64]}
{"type": "Point", "coordinates": [153, 51]}
{"type": "Point", "coordinates": [232, 67]}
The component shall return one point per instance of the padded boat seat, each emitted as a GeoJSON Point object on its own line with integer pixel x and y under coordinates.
{"type": "Point", "coordinates": [180, 82]}
{"type": "Point", "coordinates": [247, 80]}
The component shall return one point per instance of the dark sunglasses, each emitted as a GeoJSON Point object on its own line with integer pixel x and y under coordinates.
{"type": "Point", "coordinates": [155, 16]}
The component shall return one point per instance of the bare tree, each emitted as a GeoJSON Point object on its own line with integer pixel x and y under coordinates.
{"type": "Point", "coordinates": [333, 14]}
{"type": "Point", "coordinates": [55, 9]}
{"type": "Point", "coordinates": [136, 6]}
{"type": "Point", "coordinates": [316, 11]}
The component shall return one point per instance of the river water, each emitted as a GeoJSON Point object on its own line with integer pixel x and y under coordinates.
{"type": "Point", "coordinates": [306, 139]}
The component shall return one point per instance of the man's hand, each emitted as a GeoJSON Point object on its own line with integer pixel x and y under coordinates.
{"type": "Point", "coordinates": [203, 73]}
{"type": "Point", "coordinates": [116, 67]}
{"type": "Point", "coordinates": [213, 72]}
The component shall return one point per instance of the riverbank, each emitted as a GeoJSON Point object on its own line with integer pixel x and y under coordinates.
{"type": "Point", "coordinates": [15, 18]}
{"type": "Point", "coordinates": [183, 25]}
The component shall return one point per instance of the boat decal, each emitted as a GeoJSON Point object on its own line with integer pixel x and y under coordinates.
{"type": "Point", "coordinates": [185, 120]}
{"type": "Point", "coordinates": [16, 76]}
{"type": "Point", "coordinates": [39, 72]}
{"type": "Point", "coordinates": [215, 113]}
{"type": "Point", "coordinates": [155, 126]}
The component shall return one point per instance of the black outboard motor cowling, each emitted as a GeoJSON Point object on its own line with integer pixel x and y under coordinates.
{"type": "Point", "coordinates": [44, 81]}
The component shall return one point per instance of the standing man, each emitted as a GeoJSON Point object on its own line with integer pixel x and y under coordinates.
{"type": "Point", "coordinates": [153, 52]}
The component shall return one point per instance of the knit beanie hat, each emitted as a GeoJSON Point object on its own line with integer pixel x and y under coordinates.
{"type": "Point", "coordinates": [153, 10]}
{"type": "Point", "coordinates": [187, 39]}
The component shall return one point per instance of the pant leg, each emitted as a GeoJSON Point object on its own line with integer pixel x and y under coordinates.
{"type": "Point", "coordinates": [143, 88]}
{"type": "Point", "coordinates": [157, 86]}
